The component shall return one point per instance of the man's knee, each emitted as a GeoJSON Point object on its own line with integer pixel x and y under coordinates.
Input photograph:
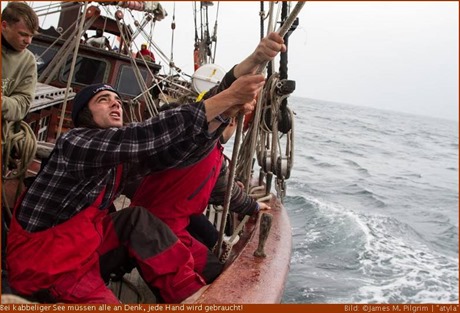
{"type": "Point", "coordinates": [137, 215]}
{"type": "Point", "coordinates": [142, 231]}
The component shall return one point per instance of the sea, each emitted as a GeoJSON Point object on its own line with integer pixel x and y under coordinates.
{"type": "Point", "coordinates": [373, 205]}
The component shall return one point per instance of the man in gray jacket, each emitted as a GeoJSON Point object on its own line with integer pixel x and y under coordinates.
{"type": "Point", "coordinates": [19, 68]}
{"type": "Point", "coordinates": [19, 76]}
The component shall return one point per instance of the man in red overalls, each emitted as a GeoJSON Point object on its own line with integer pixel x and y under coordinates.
{"type": "Point", "coordinates": [63, 244]}
{"type": "Point", "coordinates": [193, 186]}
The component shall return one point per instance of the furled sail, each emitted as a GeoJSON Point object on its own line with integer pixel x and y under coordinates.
{"type": "Point", "coordinates": [145, 6]}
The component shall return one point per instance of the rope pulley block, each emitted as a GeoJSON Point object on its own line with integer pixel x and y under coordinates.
{"type": "Point", "coordinates": [266, 161]}
{"type": "Point", "coordinates": [284, 120]}
{"type": "Point", "coordinates": [92, 11]}
{"type": "Point", "coordinates": [283, 167]}
{"type": "Point", "coordinates": [119, 15]}
{"type": "Point", "coordinates": [285, 87]}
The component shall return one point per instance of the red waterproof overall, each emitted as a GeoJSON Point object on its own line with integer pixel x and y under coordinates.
{"type": "Point", "coordinates": [176, 194]}
{"type": "Point", "coordinates": [65, 258]}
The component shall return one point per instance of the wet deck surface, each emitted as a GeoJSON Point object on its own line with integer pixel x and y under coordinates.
{"type": "Point", "coordinates": [132, 289]}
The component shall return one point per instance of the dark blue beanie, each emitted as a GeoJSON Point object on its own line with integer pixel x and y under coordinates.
{"type": "Point", "coordinates": [84, 96]}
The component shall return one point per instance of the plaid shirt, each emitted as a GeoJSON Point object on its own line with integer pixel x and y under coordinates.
{"type": "Point", "coordinates": [84, 162]}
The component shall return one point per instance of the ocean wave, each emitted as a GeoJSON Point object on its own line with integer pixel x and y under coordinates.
{"type": "Point", "coordinates": [352, 152]}
{"type": "Point", "coordinates": [375, 207]}
{"type": "Point", "coordinates": [402, 269]}
{"type": "Point", "coordinates": [379, 257]}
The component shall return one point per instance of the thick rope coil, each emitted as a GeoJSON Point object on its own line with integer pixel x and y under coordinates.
{"type": "Point", "coordinates": [19, 146]}
{"type": "Point", "coordinates": [22, 143]}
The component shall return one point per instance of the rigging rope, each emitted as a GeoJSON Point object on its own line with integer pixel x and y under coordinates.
{"type": "Point", "coordinates": [57, 6]}
{"type": "Point", "coordinates": [282, 31]}
{"type": "Point", "coordinates": [214, 35]}
{"type": "Point", "coordinates": [157, 49]}
{"type": "Point", "coordinates": [173, 30]}
{"type": "Point", "coordinates": [53, 68]}
{"type": "Point", "coordinates": [150, 104]}
{"type": "Point", "coordinates": [194, 18]}
{"type": "Point", "coordinates": [72, 68]}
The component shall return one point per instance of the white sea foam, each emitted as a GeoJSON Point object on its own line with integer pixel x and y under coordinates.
{"type": "Point", "coordinates": [373, 200]}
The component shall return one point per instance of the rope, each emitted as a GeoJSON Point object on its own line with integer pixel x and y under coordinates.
{"type": "Point", "coordinates": [19, 146]}
{"type": "Point", "coordinates": [173, 28]}
{"type": "Point", "coordinates": [54, 67]}
{"type": "Point", "coordinates": [72, 68]}
{"type": "Point", "coordinates": [214, 34]}
{"type": "Point", "coordinates": [58, 7]}
{"type": "Point", "coordinates": [282, 31]}
{"type": "Point", "coordinates": [140, 80]}
{"type": "Point", "coordinates": [151, 105]}
{"type": "Point", "coordinates": [23, 143]}
{"type": "Point", "coordinates": [156, 48]}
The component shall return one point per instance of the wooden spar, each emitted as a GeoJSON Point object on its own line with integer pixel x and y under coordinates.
{"type": "Point", "coordinates": [239, 131]}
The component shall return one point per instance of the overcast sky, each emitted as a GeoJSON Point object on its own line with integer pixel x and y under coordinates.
{"type": "Point", "coordinates": [400, 56]}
